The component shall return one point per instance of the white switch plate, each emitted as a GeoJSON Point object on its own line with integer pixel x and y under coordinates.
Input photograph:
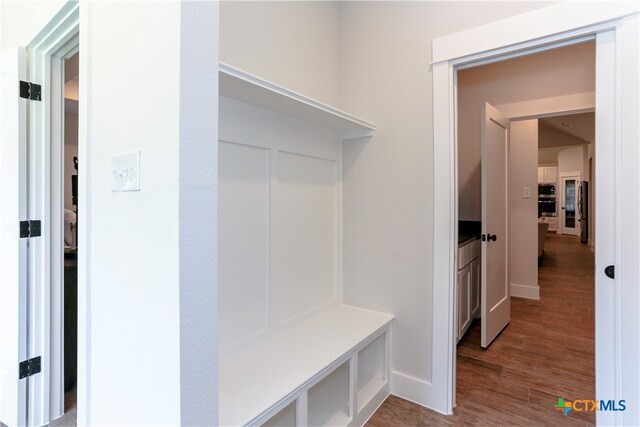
{"type": "Point", "coordinates": [526, 192]}
{"type": "Point", "coordinates": [125, 172]}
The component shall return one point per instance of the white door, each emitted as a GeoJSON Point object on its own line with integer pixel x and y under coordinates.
{"type": "Point", "coordinates": [13, 249]}
{"type": "Point", "coordinates": [495, 304]}
{"type": "Point", "coordinates": [569, 215]}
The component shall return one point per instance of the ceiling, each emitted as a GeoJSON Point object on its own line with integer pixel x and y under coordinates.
{"type": "Point", "coordinates": [71, 67]}
{"type": "Point", "coordinates": [579, 125]}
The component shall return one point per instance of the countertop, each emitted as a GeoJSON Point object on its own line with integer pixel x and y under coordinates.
{"type": "Point", "coordinates": [468, 231]}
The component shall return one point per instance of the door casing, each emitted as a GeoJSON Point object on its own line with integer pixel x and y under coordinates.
{"type": "Point", "coordinates": [57, 41]}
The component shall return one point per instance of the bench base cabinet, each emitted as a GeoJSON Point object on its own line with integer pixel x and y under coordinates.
{"type": "Point", "coordinates": [330, 370]}
{"type": "Point", "coordinates": [467, 286]}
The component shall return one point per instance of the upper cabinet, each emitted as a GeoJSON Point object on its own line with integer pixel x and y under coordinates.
{"type": "Point", "coordinates": [547, 175]}
{"type": "Point", "coordinates": [248, 88]}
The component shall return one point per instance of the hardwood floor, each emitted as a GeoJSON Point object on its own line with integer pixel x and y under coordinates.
{"type": "Point", "coordinates": [546, 352]}
{"type": "Point", "coordinates": [70, 417]}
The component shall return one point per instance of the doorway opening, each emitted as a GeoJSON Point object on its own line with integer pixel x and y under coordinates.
{"type": "Point", "coordinates": [70, 240]}
{"type": "Point", "coordinates": [509, 203]}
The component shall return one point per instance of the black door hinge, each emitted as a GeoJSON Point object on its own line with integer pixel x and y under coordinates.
{"type": "Point", "coordinates": [30, 229]}
{"type": "Point", "coordinates": [30, 91]}
{"type": "Point", "coordinates": [30, 367]}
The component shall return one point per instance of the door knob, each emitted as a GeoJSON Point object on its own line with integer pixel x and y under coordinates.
{"type": "Point", "coordinates": [610, 271]}
{"type": "Point", "coordinates": [491, 237]}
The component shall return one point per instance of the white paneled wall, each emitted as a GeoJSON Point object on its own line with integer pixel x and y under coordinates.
{"type": "Point", "coordinates": [245, 179]}
{"type": "Point", "coordinates": [304, 234]}
{"type": "Point", "coordinates": [278, 222]}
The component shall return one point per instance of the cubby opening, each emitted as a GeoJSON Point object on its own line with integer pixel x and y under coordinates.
{"type": "Point", "coordinates": [286, 417]}
{"type": "Point", "coordinates": [329, 399]}
{"type": "Point", "coordinates": [371, 370]}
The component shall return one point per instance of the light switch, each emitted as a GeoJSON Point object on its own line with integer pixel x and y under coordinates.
{"type": "Point", "coordinates": [526, 192]}
{"type": "Point", "coordinates": [125, 172]}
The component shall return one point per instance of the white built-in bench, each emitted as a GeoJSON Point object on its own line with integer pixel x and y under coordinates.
{"type": "Point", "coordinates": [332, 369]}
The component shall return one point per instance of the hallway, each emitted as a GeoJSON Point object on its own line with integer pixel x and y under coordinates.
{"type": "Point", "coordinates": [546, 352]}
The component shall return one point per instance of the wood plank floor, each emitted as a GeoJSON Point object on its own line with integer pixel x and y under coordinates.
{"type": "Point", "coordinates": [546, 352]}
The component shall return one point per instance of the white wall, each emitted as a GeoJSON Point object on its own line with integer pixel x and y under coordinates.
{"type": "Point", "coordinates": [523, 218]}
{"type": "Point", "coordinates": [291, 43]}
{"type": "Point", "coordinates": [387, 188]}
{"type": "Point", "coordinates": [571, 159]}
{"type": "Point", "coordinates": [133, 249]}
{"type": "Point", "coordinates": [20, 21]}
{"type": "Point", "coordinates": [559, 72]}
{"type": "Point", "coordinates": [151, 255]}
{"type": "Point", "coordinates": [198, 213]}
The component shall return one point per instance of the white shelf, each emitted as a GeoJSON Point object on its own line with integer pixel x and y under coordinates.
{"type": "Point", "coordinates": [261, 377]}
{"type": "Point", "coordinates": [370, 387]}
{"type": "Point", "coordinates": [242, 86]}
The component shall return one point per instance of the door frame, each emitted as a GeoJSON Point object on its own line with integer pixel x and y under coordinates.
{"type": "Point", "coordinates": [562, 175]}
{"type": "Point", "coordinates": [616, 28]}
{"type": "Point", "coordinates": [57, 41]}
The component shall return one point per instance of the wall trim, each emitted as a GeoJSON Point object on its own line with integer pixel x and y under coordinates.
{"type": "Point", "coordinates": [413, 389]}
{"type": "Point", "coordinates": [525, 291]}
{"type": "Point", "coordinates": [498, 38]}
{"type": "Point", "coordinates": [584, 102]}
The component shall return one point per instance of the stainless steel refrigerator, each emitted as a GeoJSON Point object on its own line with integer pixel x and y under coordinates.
{"type": "Point", "coordinates": [583, 211]}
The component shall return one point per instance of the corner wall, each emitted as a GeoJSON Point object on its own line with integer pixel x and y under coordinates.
{"type": "Point", "coordinates": [132, 251]}
{"type": "Point", "coordinates": [388, 247]}
{"type": "Point", "coordinates": [150, 342]}
{"type": "Point", "coordinates": [523, 220]}
{"type": "Point", "coordinates": [291, 43]}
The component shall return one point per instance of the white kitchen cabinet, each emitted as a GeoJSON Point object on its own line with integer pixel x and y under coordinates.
{"type": "Point", "coordinates": [552, 221]}
{"type": "Point", "coordinates": [551, 174]}
{"type": "Point", "coordinates": [467, 286]}
{"type": "Point", "coordinates": [475, 288]}
{"type": "Point", "coordinates": [547, 174]}
{"type": "Point", "coordinates": [464, 300]}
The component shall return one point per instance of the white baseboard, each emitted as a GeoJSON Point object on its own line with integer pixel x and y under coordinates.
{"type": "Point", "coordinates": [417, 391]}
{"type": "Point", "coordinates": [525, 291]}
